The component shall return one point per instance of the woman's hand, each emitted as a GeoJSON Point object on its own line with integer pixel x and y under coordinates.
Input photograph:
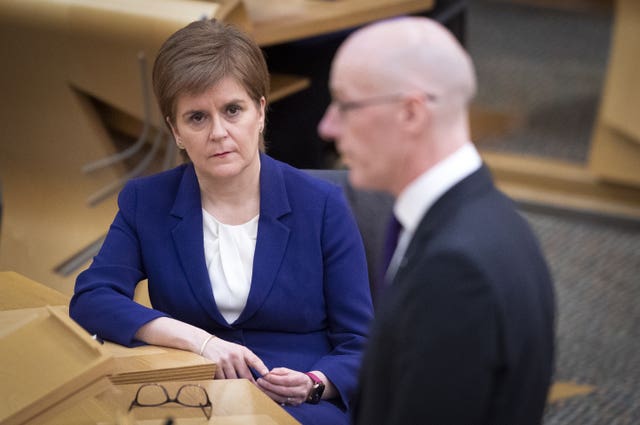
{"type": "Point", "coordinates": [233, 360]}
{"type": "Point", "coordinates": [286, 386]}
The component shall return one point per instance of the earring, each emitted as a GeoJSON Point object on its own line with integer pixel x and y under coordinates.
{"type": "Point", "coordinates": [179, 143]}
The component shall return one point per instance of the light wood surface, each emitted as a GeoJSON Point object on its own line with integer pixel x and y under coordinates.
{"type": "Point", "coordinates": [234, 401]}
{"type": "Point", "coordinates": [150, 363]}
{"type": "Point", "coordinates": [561, 184]}
{"type": "Point", "coordinates": [564, 390]}
{"type": "Point", "coordinates": [615, 146]}
{"type": "Point", "coordinates": [44, 361]}
{"type": "Point", "coordinates": [229, 397]}
{"type": "Point", "coordinates": [19, 292]}
{"type": "Point", "coordinates": [283, 85]}
{"type": "Point", "coordinates": [278, 21]}
{"type": "Point", "coordinates": [86, 401]}
{"type": "Point", "coordinates": [55, 373]}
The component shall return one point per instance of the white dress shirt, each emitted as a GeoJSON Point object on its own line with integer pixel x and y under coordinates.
{"type": "Point", "coordinates": [416, 199]}
{"type": "Point", "coordinates": [229, 251]}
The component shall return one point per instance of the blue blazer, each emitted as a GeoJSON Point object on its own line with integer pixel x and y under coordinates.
{"type": "Point", "coordinates": [309, 306]}
{"type": "Point", "coordinates": [465, 333]}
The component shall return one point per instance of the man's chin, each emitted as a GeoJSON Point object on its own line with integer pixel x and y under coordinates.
{"type": "Point", "coordinates": [360, 181]}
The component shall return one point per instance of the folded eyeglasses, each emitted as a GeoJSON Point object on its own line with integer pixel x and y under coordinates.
{"type": "Point", "coordinates": [188, 395]}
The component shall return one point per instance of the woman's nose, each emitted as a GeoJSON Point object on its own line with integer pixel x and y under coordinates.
{"type": "Point", "coordinates": [218, 130]}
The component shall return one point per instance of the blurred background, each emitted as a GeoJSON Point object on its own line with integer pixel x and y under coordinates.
{"type": "Point", "coordinates": [555, 118]}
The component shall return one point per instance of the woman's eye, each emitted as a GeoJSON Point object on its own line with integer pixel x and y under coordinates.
{"type": "Point", "coordinates": [197, 117]}
{"type": "Point", "coordinates": [233, 109]}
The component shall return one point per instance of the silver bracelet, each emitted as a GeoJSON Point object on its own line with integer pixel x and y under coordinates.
{"type": "Point", "coordinates": [204, 344]}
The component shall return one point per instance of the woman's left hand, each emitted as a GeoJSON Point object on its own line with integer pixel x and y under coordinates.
{"type": "Point", "coordinates": [286, 386]}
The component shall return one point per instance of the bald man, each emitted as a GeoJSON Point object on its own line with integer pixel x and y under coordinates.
{"type": "Point", "coordinates": [464, 332]}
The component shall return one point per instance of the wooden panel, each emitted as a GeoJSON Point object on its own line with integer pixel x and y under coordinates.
{"type": "Point", "coordinates": [615, 156]}
{"type": "Point", "coordinates": [621, 98]}
{"type": "Point", "coordinates": [563, 390]}
{"type": "Point", "coordinates": [43, 362]}
{"type": "Point", "coordinates": [18, 292]}
{"type": "Point", "coordinates": [283, 85]}
{"type": "Point", "coordinates": [561, 184]}
{"type": "Point", "coordinates": [154, 364]}
{"type": "Point", "coordinates": [615, 146]}
{"type": "Point", "coordinates": [278, 21]}
{"type": "Point", "coordinates": [84, 400]}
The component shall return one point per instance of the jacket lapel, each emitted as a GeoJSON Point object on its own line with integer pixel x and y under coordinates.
{"type": "Point", "coordinates": [477, 183]}
{"type": "Point", "coordinates": [188, 240]}
{"type": "Point", "coordinates": [273, 235]}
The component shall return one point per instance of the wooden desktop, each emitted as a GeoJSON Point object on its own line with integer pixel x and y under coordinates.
{"type": "Point", "coordinates": [95, 383]}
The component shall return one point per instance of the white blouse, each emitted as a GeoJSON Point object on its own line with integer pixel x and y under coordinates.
{"type": "Point", "coordinates": [228, 251]}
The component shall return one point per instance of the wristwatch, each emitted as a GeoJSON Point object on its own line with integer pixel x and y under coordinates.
{"type": "Point", "coordinates": [316, 390]}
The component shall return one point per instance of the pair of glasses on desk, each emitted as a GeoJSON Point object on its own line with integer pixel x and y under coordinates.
{"type": "Point", "coordinates": [188, 395]}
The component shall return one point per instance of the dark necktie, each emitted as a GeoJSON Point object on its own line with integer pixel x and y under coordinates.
{"type": "Point", "coordinates": [390, 243]}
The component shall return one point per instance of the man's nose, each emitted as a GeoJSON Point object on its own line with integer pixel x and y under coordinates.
{"type": "Point", "coordinates": [328, 126]}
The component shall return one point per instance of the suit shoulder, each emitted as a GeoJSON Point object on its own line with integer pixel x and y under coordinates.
{"type": "Point", "coordinates": [301, 182]}
{"type": "Point", "coordinates": [154, 188]}
{"type": "Point", "coordinates": [168, 177]}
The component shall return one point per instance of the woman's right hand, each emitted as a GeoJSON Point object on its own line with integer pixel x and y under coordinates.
{"type": "Point", "coordinates": [233, 360]}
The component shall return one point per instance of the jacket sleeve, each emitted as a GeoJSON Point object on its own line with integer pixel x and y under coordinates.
{"type": "Point", "coordinates": [103, 298]}
{"type": "Point", "coordinates": [347, 294]}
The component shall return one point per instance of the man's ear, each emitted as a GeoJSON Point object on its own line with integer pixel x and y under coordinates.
{"type": "Point", "coordinates": [415, 113]}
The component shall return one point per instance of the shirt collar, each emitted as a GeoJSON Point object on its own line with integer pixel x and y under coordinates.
{"type": "Point", "coordinates": [416, 199]}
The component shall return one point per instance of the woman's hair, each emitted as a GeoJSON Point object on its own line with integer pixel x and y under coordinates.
{"type": "Point", "coordinates": [200, 55]}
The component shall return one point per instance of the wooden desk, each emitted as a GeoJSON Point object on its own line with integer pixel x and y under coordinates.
{"type": "Point", "coordinates": [233, 402]}
{"type": "Point", "coordinates": [92, 399]}
{"type": "Point", "coordinates": [279, 21]}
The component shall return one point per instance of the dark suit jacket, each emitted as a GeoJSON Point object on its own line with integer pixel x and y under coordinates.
{"type": "Point", "coordinates": [465, 333]}
{"type": "Point", "coordinates": [309, 306]}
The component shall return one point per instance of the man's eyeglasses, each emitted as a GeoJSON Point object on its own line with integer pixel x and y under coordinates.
{"type": "Point", "coordinates": [188, 395]}
{"type": "Point", "coordinates": [345, 106]}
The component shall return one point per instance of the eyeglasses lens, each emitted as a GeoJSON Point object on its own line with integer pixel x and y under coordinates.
{"type": "Point", "coordinates": [192, 396]}
{"type": "Point", "coordinates": [152, 395]}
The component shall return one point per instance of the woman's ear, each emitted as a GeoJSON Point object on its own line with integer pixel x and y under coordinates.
{"type": "Point", "coordinates": [176, 136]}
{"type": "Point", "coordinates": [263, 107]}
